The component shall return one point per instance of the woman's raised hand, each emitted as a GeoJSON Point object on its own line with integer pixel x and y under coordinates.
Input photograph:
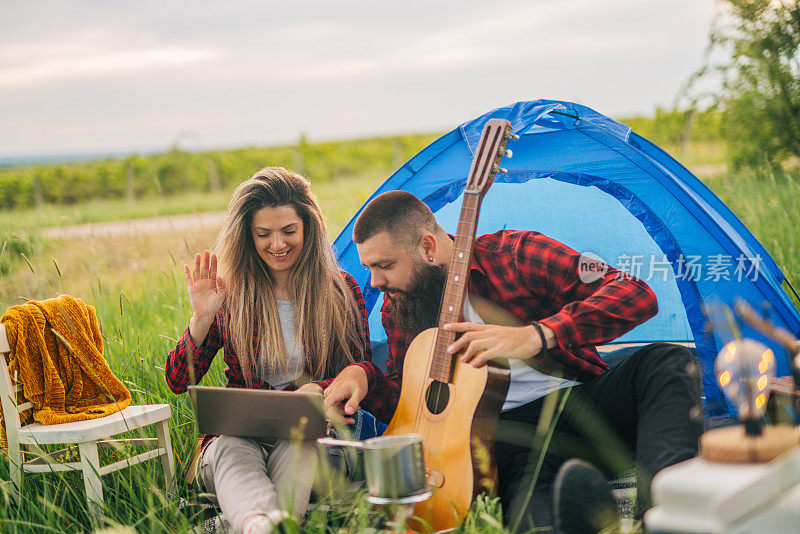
{"type": "Point", "coordinates": [206, 289]}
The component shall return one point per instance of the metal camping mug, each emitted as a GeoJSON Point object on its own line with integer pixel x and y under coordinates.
{"type": "Point", "coordinates": [394, 466]}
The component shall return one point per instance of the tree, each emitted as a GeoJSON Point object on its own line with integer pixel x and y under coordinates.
{"type": "Point", "coordinates": [760, 80]}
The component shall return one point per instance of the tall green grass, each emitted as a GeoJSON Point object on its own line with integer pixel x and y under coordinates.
{"type": "Point", "coordinates": [768, 206]}
{"type": "Point", "coordinates": [140, 327]}
{"type": "Point", "coordinates": [136, 332]}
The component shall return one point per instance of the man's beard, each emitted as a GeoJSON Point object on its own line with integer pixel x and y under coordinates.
{"type": "Point", "coordinates": [417, 308]}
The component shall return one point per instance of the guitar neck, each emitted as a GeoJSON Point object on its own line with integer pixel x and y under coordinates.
{"type": "Point", "coordinates": [455, 288]}
{"type": "Point", "coordinates": [485, 165]}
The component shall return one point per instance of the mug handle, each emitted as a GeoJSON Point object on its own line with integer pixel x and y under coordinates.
{"type": "Point", "coordinates": [340, 443]}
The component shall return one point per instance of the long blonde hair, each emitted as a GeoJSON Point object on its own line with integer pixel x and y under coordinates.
{"type": "Point", "coordinates": [325, 312]}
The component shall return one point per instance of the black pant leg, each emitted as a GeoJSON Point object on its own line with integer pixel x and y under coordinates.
{"type": "Point", "coordinates": [646, 401]}
{"type": "Point", "coordinates": [525, 505]}
{"type": "Point", "coordinates": [525, 471]}
{"type": "Point", "coordinates": [635, 414]}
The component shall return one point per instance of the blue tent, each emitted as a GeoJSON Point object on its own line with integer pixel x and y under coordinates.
{"type": "Point", "coordinates": [593, 184]}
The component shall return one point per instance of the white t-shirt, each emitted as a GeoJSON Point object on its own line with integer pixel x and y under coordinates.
{"type": "Point", "coordinates": [526, 383]}
{"type": "Point", "coordinates": [279, 379]}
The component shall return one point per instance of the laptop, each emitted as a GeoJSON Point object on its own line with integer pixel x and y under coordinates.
{"type": "Point", "coordinates": [258, 413]}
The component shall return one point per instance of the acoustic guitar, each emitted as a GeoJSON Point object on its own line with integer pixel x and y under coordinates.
{"type": "Point", "coordinates": [453, 405]}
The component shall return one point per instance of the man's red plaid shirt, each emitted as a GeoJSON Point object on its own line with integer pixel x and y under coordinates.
{"type": "Point", "coordinates": [177, 368]}
{"type": "Point", "coordinates": [534, 278]}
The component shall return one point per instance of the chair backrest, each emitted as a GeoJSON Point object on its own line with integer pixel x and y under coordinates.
{"type": "Point", "coordinates": [8, 390]}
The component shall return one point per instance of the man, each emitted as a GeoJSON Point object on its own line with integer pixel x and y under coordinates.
{"type": "Point", "coordinates": [639, 410]}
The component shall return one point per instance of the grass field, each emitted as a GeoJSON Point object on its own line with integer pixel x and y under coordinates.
{"type": "Point", "coordinates": [136, 284]}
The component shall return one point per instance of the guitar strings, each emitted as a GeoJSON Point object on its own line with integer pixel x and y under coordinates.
{"type": "Point", "coordinates": [470, 203]}
{"type": "Point", "coordinates": [436, 441]}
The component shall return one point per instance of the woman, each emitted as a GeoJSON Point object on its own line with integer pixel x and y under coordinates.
{"type": "Point", "coordinates": [284, 314]}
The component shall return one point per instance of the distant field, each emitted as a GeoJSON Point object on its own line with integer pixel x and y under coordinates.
{"type": "Point", "coordinates": [704, 158]}
{"type": "Point", "coordinates": [52, 215]}
{"type": "Point", "coordinates": [175, 173]}
{"type": "Point", "coordinates": [172, 182]}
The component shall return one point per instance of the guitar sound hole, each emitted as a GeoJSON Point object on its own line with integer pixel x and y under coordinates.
{"type": "Point", "coordinates": [437, 397]}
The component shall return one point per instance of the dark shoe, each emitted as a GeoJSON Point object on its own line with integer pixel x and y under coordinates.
{"type": "Point", "coordinates": [582, 502]}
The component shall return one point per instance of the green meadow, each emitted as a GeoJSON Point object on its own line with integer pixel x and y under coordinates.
{"type": "Point", "coordinates": [135, 282]}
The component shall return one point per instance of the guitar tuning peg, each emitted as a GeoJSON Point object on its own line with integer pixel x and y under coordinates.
{"type": "Point", "coordinates": [502, 170]}
{"type": "Point", "coordinates": [514, 137]}
{"type": "Point", "coordinates": [509, 153]}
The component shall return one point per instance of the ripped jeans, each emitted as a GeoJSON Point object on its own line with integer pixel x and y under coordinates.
{"type": "Point", "coordinates": [249, 477]}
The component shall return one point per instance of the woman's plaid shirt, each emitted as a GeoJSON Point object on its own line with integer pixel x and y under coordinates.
{"type": "Point", "coordinates": [177, 368]}
{"type": "Point", "coordinates": [532, 278]}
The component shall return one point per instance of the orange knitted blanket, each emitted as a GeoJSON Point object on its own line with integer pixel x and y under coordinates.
{"type": "Point", "coordinates": [57, 353]}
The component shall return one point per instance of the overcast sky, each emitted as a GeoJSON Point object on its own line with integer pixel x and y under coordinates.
{"type": "Point", "coordinates": [112, 76]}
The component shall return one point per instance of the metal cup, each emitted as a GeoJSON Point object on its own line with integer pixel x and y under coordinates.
{"type": "Point", "coordinates": [394, 466]}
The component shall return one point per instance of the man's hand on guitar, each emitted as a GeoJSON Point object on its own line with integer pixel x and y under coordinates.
{"type": "Point", "coordinates": [343, 397]}
{"type": "Point", "coordinates": [484, 342]}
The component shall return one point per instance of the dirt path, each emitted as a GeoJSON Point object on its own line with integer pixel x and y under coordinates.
{"type": "Point", "coordinates": [154, 225]}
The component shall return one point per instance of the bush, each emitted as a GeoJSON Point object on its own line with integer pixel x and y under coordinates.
{"type": "Point", "coordinates": [16, 189]}
{"type": "Point", "coordinates": [676, 127]}
{"type": "Point", "coordinates": [760, 80]}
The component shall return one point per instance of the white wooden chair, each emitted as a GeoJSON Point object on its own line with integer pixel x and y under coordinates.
{"type": "Point", "coordinates": [87, 435]}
